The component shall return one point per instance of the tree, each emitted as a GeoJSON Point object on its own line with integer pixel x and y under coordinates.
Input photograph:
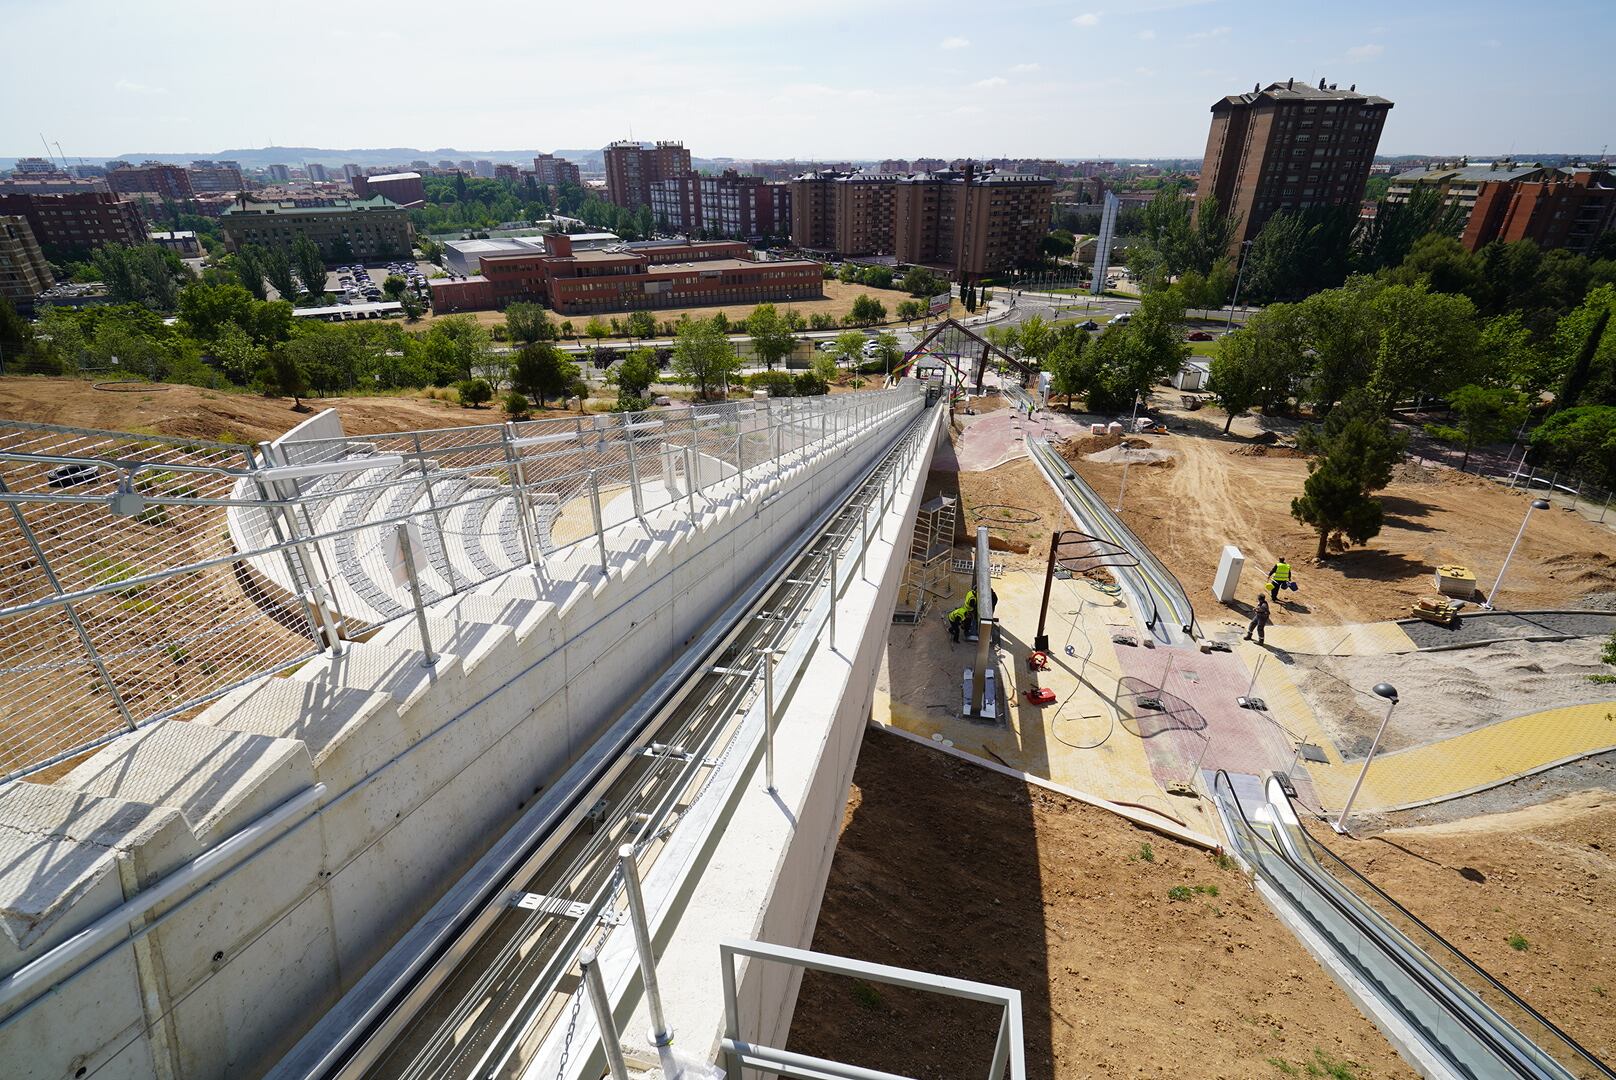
{"type": "Point", "coordinates": [1067, 364]}
{"type": "Point", "coordinates": [1342, 332]}
{"type": "Point", "coordinates": [635, 373]}
{"type": "Point", "coordinates": [310, 265]}
{"type": "Point", "coordinates": [1427, 343]}
{"type": "Point", "coordinates": [1578, 339]}
{"type": "Point", "coordinates": [543, 371]}
{"type": "Point", "coordinates": [596, 330]}
{"type": "Point", "coordinates": [1387, 238]}
{"type": "Point", "coordinates": [248, 264]}
{"type": "Point", "coordinates": [286, 377]}
{"type": "Point", "coordinates": [1485, 414]}
{"type": "Point", "coordinates": [456, 348]}
{"type": "Point", "coordinates": [527, 322]}
{"type": "Point", "coordinates": [640, 324]}
{"type": "Point", "coordinates": [821, 320]}
{"type": "Point", "coordinates": [516, 406]}
{"type": "Point", "coordinates": [238, 356]}
{"type": "Point", "coordinates": [849, 348]}
{"type": "Point", "coordinates": [1037, 336]}
{"type": "Point", "coordinates": [278, 272]}
{"type": "Point", "coordinates": [772, 339]}
{"type": "Point", "coordinates": [1353, 455]}
{"type": "Point", "coordinates": [205, 309]}
{"type": "Point", "coordinates": [849, 273]}
{"type": "Point", "coordinates": [1059, 244]}
{"type": "Point", "coordinates": [921, 282]}
{"type": "Point", "coordinates": [474, 393]}
{"type": "Point", "coordinates": [1581, 441]}
{"type": "Point", "coordinates": [1443, 265]}
{"type": "Point", "coordinates": [877, 277]}
{"type": "Point", "coordinates": [910, 310]}
{"type": "Point", "coordinates": [145, 274]}
{"type": "Point", "coordinates": [823, 368]}
{"type": "Point", "coordinates": [888, 351]}
{"type": "Point", "coordinates": [413, 308]}
{"type": "Point", "coordinates": [703, 356]}
{"type": "Point", "coordinates": [393, 286]}
{"type": "Point", "coordinates": [866, 310]}
{"type": "Point", "coordinates": [1512, 359]}
{"type": "Point", "coordinates": [1262, 363]}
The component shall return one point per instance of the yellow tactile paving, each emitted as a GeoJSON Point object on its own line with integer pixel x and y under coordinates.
{"type": "Point", "coordinates": [1475, 760]}
{"type": "Point", "coordinates": [1353, 639]}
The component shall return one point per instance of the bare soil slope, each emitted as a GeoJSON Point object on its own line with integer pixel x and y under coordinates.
{"type": "Point", "coordinates": [1217, 491]}
{"type": "Point", "coordinates": [953, 869]}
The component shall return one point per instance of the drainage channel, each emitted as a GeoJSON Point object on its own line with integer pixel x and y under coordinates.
{"type": "Point", "coordinates": [494, 988]}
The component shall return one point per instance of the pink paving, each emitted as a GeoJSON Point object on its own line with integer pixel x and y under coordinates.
{"type": "Point", "coordinates": [1198, 691]}
{"type": "Point", "coordinates": [993, 438]}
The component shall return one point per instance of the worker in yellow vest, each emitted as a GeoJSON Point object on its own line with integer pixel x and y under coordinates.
{"type": "Point", "coordinates": [1279, 578]}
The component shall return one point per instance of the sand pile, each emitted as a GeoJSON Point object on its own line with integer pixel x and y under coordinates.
{"type": "Point", "coordinates": [1593, 570]}
{"type": "Point", "coordinates": [1264, 450]}
{"type": "Point", "coordinates": [1126, 453]}
{"type": "Point", "coordinates": [1446, 693]}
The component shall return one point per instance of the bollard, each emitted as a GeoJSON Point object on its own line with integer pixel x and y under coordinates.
{"type": "Point", "coordinates": [633, 473]}
{"type": "Point", "coordinates": [408, 552]}
{"type": "Point", "coordinates": [661, 1033]}
{"type": "Point", "coordinates": [609, 1040]}
{"type": "Point", "coordinates": [768, 723]}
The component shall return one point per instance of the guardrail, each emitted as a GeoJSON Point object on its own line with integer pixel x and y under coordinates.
{"type": "Point", "coordinates": [147, 575]}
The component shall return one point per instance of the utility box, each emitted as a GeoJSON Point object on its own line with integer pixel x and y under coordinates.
{"type": "Point", "coordinates": [1458, 582]}
{"type": "Point", "coordinates": [1227, 583]}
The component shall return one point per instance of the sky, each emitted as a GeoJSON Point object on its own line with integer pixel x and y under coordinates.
{"type": "Point", "coordinates": [825, 80]}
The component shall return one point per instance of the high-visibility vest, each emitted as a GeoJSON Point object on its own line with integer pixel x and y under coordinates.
{"type": "Point", "coordinates": [959, 615]}
{"type": "Point", "coordinates": [1282, 571]}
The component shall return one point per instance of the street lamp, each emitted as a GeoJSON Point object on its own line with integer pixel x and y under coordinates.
{"type": "Point", "coordinates": [1537, 504]}
{"type": "Point", "coordinates": [1389, 692]}
{"type": "Point", "coordinates": [1132, 423]}
{"type": "Point", "coordinates": [1245, 249]}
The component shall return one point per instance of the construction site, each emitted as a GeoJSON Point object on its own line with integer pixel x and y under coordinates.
{"type": "Point", "coordinates": [919, 731]}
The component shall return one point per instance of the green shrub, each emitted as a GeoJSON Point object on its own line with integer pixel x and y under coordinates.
{"type": "Point", "coordinates": [474, 393]}
{"type": "Point", "coordinates": [516, 406]}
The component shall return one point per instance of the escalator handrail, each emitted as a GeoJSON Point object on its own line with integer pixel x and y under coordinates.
{"type": "Point", "coordinates": [1548, 1024]}
{"type": "Point", "coordinates": [1442, 996]}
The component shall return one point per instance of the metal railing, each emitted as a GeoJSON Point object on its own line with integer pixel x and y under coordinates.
{"type": "Point", "coordinates": [1009, 1053]}
{"type": "Point", "coordinates": [146, 575]}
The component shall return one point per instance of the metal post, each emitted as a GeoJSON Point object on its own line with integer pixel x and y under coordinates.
{"type": "Point", "coordinates": [768, 722]}
{"type": "Point", "coordinates": [1536, 504]}
{"type": "Point", "coordinates": [600, 527]}
{"type": "Point", "coordinates": [832, 585]}
{"type": "Point", "coordinates": [661, 1033]}
{"type": "Point", "coordinates": [1254, 672]}
{"type": "Point", "coordinates": [609, 1040]}
{"type": "Point", "coordinates": [513, 467]}
{"type": "Point", "coordinates": [437, 521]}
{"type": "Point", "coordinates": [984, 622]}
{"type": "Point", "coordinates": [690, 478]}
{"type": "Point", "coordinates": [1391, 705]}
{"type": "Point", "coordinates": [1205, 746]}
{"type": "Point", "coordinates": [1040, 641]}
{"type": "Point", "coordinates": [864, 534]}
{"type": "Point", "coordinates": [407, 550]}
{"type": "Point", "coordinates": [633, 471]}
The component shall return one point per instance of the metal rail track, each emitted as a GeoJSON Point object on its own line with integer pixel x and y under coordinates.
{"type": "Point", "coordinates": [1452, 1022]}
{"type": "Point", "coordinates": [1172, 616]}
{"type": "Point", "coordinates": [492, 987]}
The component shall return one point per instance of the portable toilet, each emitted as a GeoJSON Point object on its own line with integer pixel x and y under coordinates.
{"type": "Point", "coordinates": [1114, 428]}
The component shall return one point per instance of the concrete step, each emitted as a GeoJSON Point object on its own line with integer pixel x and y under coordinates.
{"type": "Point", "coordinates": [348, 732]}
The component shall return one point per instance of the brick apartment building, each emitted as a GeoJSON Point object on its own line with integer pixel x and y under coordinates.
{"type": "Point", "coordinates": [1566, 211]}
{"type": "Point", "coordinates": [1289, 147]}
{"type": "Point", "coordinates": [553, 171]}
{"type": "Point", "coordinates": [215, 177]}
{"type": "Point", "coordinates": [72, 224]}
{"type": "Point", "coordinates": [729, 205]}
{"type": "Point", "coordinates": [649, 275]}
{"type": "Point", "coordinates": [24, 273]}
{"type": "Point", "coordinates": [407, 189]}
{"type": "Point", "coordinates": [967, 222]}
{"type": "Point", "coordinates": [631, 169]}
{"type": "Point", "coordinates": [170, 183]}
{"type": "Point", "coordinates": [373, 227]}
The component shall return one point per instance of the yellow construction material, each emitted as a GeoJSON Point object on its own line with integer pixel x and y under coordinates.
{"type": "Point", "coordinates": [1456, 581]}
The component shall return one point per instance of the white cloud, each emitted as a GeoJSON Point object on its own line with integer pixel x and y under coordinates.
{"type": "Point", "coordinates": [1088, 18]}
{"type": "Point", "coordinates": [1215, 32]}
{"type": "Point", "coordinates": [1025, 68]}
{"type": "Point", "coordinates": [126, 86]}
{"type": "Point", "coordinates": [1147, 35]}
{"type": "Point", "coordinates": [1365, 52]}
{"type": "Point", "coordinates": [990, 83]}
{"type": "Point", "coordinates": [956, 42]}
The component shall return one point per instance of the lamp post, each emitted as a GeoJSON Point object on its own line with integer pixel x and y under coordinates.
{"type": "Point", "coordinates": [1389, 692]}
{"type": "Point", "coordinates": [1537, 504]}
{"type": "Point", "coordinates": [1245, 249]}
{"type": "Point", "coordinates": [1133, 422]}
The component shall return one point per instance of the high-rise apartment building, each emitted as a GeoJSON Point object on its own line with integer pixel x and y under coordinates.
{"type": "Point", "coordinates": [631, 169]}
{"type": "Point", "coordinates": [551, 171]}
{"type": "Point", "coordinates": [966, 221]}
{"type": "Point", "coordinates": [484, 168]}
{"type": "Point", "coordinates": [1289, 147]}
{"type": "Point", "coordinates": [70, 225]}
{"type": "Point", "coordinates": [215, 177]}
{"type": "Point", "coordinates": [279, 174]}
{"type": "Point", "coordinates": [369, 227]}
{"type": "Point", "coordinates": [24, 273]}
{"type": "Point", "coordinates": [316, 172]}
{"type": "Point", "coordinates": [350, 171]}
{"type": "Point", "coordinates": [35, 165]}
{"type": "Point", "coordinates": [167, 182]}
{"type": "Point", "coordinates": [729, 205]}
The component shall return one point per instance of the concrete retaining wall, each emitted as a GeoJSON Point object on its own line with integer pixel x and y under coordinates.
{"type": "Point", "coordinates": [422, 767]}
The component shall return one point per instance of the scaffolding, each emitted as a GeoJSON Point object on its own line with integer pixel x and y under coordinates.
{"type": "Point", "coordinates": [926, 576]}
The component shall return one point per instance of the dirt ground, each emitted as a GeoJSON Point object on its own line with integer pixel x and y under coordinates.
{"type": "Point", "coordinates": [838, 301]}
{"type": "Point", "coordinates": [194, 412]}
{"type": "Point", "coordinates": [1459, 690]}
{"type": "Point", "coordinates": [949, 868]}
{"type": "Point", "coordinates": [1543, 876]}
{"type": "Point", "coordinates": [1217, 491]}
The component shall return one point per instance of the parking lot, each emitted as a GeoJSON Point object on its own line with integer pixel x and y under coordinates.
{"type": "Point", "coordinates": [358, 284]}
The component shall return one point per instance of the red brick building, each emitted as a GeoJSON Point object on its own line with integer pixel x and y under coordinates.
{"type": "Point", "coordinates": [1571, 212]}
{"type": "Point", "coordinates": [656, 274]}
{"type": "Point", "coordinates": [66, 224]}
{"type": "Point", "coordinates": [168, 182]}
{"type": "Point", "coordinates": [406, 189]}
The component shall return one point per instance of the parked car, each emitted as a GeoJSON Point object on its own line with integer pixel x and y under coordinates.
{"type": "Point", "coordinates": [1121, 320]}
{"type": "Point", "coordinates": [1088, 324]}
{"type": "Point", "coordinates": [1198, 335]}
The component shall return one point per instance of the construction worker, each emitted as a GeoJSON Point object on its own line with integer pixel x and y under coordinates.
{"type": "Point", "coordinates": [956, 622]}
{"type": "Point", "coordinates": [1260, 618]}
{"type": "Point", "coordinates": [1279, 577]}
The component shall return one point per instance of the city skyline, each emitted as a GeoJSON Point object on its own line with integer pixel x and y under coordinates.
{"type": "Point", "coordinates": [1037, 80]}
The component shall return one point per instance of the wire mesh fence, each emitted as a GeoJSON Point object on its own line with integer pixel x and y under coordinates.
{"type": "Point", "coordinates": [144, 575]}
